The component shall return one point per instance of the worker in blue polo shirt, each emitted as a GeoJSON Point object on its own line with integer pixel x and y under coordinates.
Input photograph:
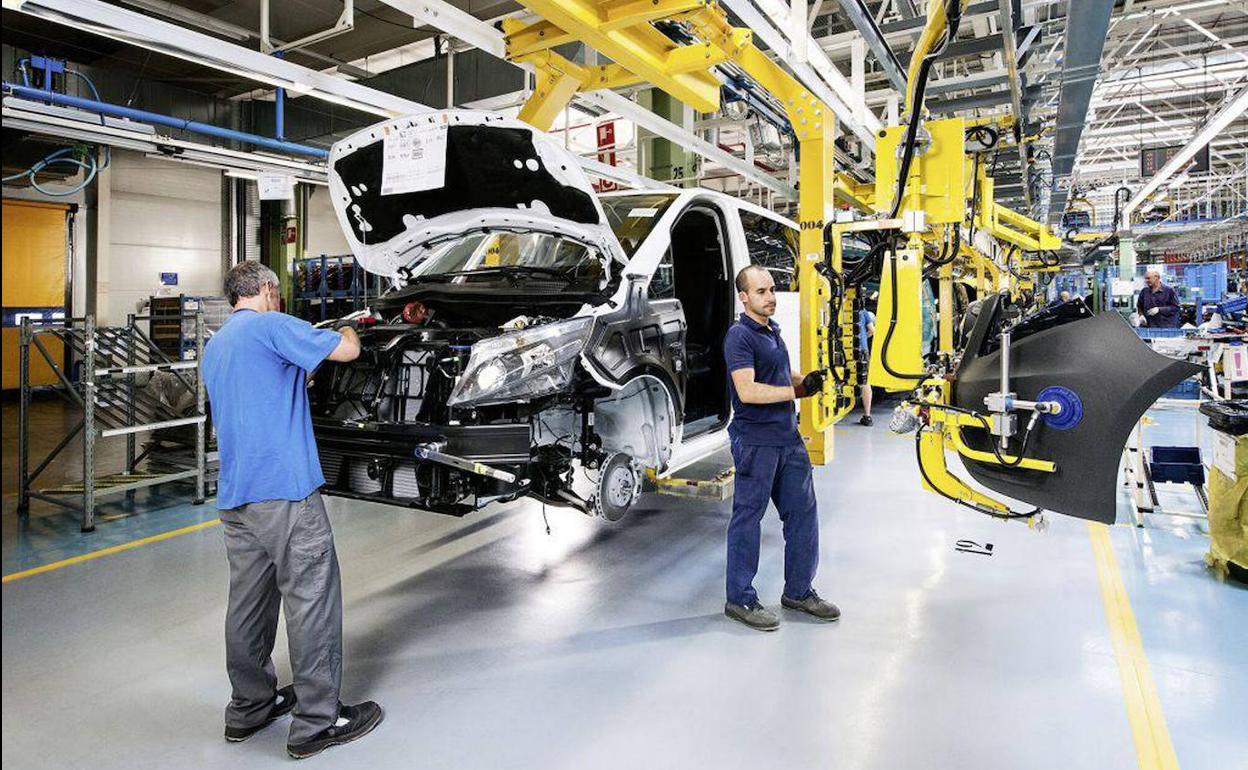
{"type": "Point", "coordinates": [770, 459]}
{"type": "Point", "coordinates": [278, 541]}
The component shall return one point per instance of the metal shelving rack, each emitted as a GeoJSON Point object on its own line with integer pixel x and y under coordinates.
{"type": "Point", "coordinates": [102, 383]}
{"type": "Point", "coordinates": [172, 320]}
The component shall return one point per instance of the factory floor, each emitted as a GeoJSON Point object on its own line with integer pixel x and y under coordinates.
{"type": "Point", "coordinates": [492, 644]}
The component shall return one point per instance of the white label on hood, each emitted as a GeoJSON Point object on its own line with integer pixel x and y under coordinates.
{"type": "Point", "coordinates": [413, 159]}
{"type": "Point", "coordinates": [640, 213]}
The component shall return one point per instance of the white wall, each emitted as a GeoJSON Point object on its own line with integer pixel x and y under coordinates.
{"type": "Point", "coordinates": [324, 234]}
{"type": "Point", "coordinates": [166, 218]}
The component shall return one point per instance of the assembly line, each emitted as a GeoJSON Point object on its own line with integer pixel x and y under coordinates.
{"type": "Point", "coordinates": [450, 358]}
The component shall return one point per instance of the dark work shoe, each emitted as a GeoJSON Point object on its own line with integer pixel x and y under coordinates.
{"type": "Point", "coordinates": [756, 616]}
{"type": "Point", "coordinates": [812, 605]}
{"type": "Point", "coordinates": [353, 722]}
{"type": "Point", "coordinates": [865, 420]}
{"type": "Point", "coordinates": [281, 707]}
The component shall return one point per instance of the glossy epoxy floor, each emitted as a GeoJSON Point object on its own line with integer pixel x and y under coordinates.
{"type": "Point", "coordinates": [494, 645]}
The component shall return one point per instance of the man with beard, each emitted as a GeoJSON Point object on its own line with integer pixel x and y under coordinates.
{"type": "Point", "coordinates": [771, 460]}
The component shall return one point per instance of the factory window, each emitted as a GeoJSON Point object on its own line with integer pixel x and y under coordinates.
{"type": "Point", "coordinates": [772, 244]}
{"type": "Point", "coordinates": [663, 282]}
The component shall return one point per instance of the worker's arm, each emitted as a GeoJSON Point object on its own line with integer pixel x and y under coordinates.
{"type": "Point", "coordinates": [348, 348]}
{"type": "Point", "coordinates": [751, 392]}
{"type": "Point", "coordinates": [299, 343]}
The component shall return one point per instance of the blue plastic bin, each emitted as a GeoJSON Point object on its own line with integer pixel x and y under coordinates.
{"type": "Point", "coordinates": [1187, 389]}
{"type": "Point", "coordinates": [1177, 464]}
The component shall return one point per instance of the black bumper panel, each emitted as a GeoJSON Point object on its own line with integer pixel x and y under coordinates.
{"type": "Point", "coordinates": [490, 444]}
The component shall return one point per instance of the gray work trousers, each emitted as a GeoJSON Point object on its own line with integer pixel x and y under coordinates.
{"type": "Point", "coordinates": [282, 552]}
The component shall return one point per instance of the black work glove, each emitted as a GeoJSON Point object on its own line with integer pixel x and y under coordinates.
{"type": "Point", "coordinates": [813, 382]}
{"type": "Point", "coordinates": [343, 322]}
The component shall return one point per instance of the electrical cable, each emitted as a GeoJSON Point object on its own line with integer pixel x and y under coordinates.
{"type": "Point", "coordinates": [949, 250]}
{"type": "Point", "coordinates": [953, 16]}
{"type": "Point", "coordinates": [408, 27]}
{"type": "Point", "coordinates": [67, 156]}
{"type": "Point", "coordinates": [892, 327]}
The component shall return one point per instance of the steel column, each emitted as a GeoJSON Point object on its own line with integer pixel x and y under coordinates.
{"type": "Point", "coordinates": [200, 427]}
{"type": "Point", "coordinates": [23, 419]}
{"type": "Point", "coordinates": [89, 434]}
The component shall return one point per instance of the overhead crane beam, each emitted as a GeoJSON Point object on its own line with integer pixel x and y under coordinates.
{"type": "Point", "coordinates": [443, 15]}
{"type": "Point", "coordinates": [634, 44]}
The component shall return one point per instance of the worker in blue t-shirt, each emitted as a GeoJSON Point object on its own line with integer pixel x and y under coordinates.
{"type": "Point", "coordinates": [277, 537]}
{"type": "Point", "coordinates": [770, 459]}
{"type": "Point", "coordinates": [866, 330]}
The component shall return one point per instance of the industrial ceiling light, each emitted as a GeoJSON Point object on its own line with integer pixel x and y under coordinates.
{"type": "Point", "coordinates": [1232, 110]}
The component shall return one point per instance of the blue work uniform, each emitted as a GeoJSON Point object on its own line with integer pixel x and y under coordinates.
{"type": "Point", "coordinates": [771, 464]}
{"type": "Point", "coordinates": [1167, 303]}
{"type": "Point", "coordinates": [255, 369]}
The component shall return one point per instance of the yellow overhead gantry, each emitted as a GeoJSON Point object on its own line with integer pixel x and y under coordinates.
{"type": "Point", "coordinates": [622, 31]}
{"type": "Point", "coordinates": [931, 212]}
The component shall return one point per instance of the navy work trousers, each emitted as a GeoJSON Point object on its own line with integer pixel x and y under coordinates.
{"type": "Point", "coordinates": [782, 475]}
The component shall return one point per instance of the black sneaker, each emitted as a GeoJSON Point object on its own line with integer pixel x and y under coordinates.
{"type": "Point", "coordinates": [353, 722]}
{"type": "Point", "coordinates": [281, 707]}
{"type": "Point", "coordinates": [812, 605]}
{"type": "Point", "coordinates": [865, 420]}
{"type": "Point", "coordinates": [754, 615]}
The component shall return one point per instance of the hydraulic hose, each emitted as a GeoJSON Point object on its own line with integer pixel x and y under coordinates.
{"type": "Point", "coordinates": [943, 17]}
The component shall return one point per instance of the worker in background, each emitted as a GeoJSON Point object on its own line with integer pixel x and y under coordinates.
{"type": "Point", "coordinates": [866, 330]}
{"type": "Point", "coordinates": [1158, 305]}
{"type": "Point", "coordinates": [277, 536]}
{"type": "Point", "coordinates": [770, 459]}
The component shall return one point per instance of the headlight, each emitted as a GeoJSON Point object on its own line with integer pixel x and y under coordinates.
{"type": "Point", "coordinates": [522, 365]}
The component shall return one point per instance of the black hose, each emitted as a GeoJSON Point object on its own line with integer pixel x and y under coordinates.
{"type": "Point", "coordinates": [949, 251]}
{"type": "Point", "coordinates": [918, 456]}
{"type": "Point", "coordinates": [1118, 207]}
{"type": "Point", "coordinates": [953, 15]}
{"type": "Point", "coordinates": [892, 326]}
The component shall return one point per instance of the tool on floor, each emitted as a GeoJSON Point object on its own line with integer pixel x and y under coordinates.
{"type": "Point", "coordinates": [970, 546]}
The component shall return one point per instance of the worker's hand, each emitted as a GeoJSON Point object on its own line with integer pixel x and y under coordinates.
{"type": "Point", "coordinates": [343, 323]}
{"type": "Point", "coordinates": [813, 383]}
{"type": "Point", "coordinates": [1154, 310]}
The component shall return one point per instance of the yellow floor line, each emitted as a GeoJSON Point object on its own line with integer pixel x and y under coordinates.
{"type": "Point", "coordinates": [1153, 749]}
{"type": "Point", "coordinates": [110, 550]}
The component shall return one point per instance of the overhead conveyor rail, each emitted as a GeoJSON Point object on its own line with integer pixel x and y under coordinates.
{"type": "Point", "coordinates": [103, 382]}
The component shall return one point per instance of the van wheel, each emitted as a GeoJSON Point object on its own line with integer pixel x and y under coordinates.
{"type": "Point", "coordinates": [619, 486]}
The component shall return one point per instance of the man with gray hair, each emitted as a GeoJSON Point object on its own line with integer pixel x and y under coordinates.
{"type": "Point", "coordinates": [277, 536]}
{"type": "Point", "coordinates": [1158, 305]}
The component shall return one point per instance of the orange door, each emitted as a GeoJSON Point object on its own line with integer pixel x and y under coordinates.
{"type": "Point", "coordinates": [35, 260]}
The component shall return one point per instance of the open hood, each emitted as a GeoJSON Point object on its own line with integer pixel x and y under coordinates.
{"type": "Point", "coordinates": [403, 184]}
{"type": "Point", "coordinates": [1104, 374]}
